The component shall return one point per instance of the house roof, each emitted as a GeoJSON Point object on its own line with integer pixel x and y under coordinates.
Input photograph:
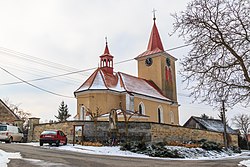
{"type": "Point", "coordinates": [154, 44]}
{"type": "Point", "coordinates": [9, 110]}
{"type": "Point", "coordinates": [212, 124]}
{"type": "Point", "coordinates": [121, 82]}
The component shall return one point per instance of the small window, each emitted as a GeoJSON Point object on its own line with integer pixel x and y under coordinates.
{"type": "Point", "coordinates": [3, 128]}
{"type": "Point", "coordinates": [19, 130]}
{"type": "Point", "coordinates": [197, 126]}
{"type": "Point", "coordinates": [61, 133]}
{"type": "Point", "coordinates": [171, 115]}
{"type": "Point", "coordinates": [82, 113]}
{"type": "Point", "coordinates": [141, 108]}
{"type": "Point", "coordinates": [160, 114]}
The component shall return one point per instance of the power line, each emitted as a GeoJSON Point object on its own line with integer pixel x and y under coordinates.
{"type": "Point", "coordinates": [42, 89]}
{"type": "Point", "coordinates": [38, 76]}
{"type": "Point", "coordinates": [37, 60]}
{"type": "Point", "coordinates": [55, 76]}
{"type": "Point", "coordinates": [79, 71]}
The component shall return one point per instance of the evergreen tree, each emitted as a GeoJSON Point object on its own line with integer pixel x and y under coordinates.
{"type": "Point", "coordinates": [63, 112]}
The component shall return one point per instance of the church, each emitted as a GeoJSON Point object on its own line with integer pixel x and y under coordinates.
{"type": "Point", "coordinates": [151, 96]}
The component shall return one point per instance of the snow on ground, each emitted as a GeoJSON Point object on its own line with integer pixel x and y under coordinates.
{"type": "Point", "coordinates": [199, 153]}
{"type": "Point", "coordinates": [5, 157]}
{"type": "Point", "coordinates": [104, 150]}
{"type": "Point", "coordinates": [189, 153]}
{"type": "Point", "coordinates": [245, 163]}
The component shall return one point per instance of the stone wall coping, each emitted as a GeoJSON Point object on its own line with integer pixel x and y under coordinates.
{"type": "Point", "coordinates": [34, 118]}
{"type": "Point", "coordinates": [177, 126]}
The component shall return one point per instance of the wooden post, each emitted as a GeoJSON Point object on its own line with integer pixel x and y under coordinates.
{"type": "Point", "coordinates": [224, 124]}
{"type": "Point", "coordinates": [74, 135]}
{"type": "Point", "coordinates": [82, 134]}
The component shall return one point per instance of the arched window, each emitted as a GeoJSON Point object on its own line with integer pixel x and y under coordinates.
{"type": "Point", "coordinates": [82, 113]}
{"type": "Point", "coordinates": [141, 108]}
{"type": "Point", "coordinates": [171, 115]}
{"type": "Point", "coordinates": [105, 62]}
{"type": "Point", "coordinates": [160, 114]}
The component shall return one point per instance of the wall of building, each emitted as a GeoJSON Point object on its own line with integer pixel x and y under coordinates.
{"type": "Point", "coordinates": [5, 115]}
{"type": "Point", "coordinates": [151, 108]}
{"type": "Point", "coordinates": [158, 67]}
{"type": "Point", "coordinates": [105, 101]}
{"type": "Point", "coordinates": [137, 131]}
{"type": "Point", "coordinates": [149, 72]}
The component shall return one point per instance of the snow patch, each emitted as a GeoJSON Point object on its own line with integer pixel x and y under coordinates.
{"type": "Point", "coordinates": [5, 157]}
{"type": "Point", "coordinates": [189, 153]}
{"type": "Point", "coordinates": [43, 163]}
{"type": "Point", "coordinates": [245, 163]}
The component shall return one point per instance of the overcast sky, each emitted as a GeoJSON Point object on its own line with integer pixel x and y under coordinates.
{"type": "Point", "coordinates": [70, 35]}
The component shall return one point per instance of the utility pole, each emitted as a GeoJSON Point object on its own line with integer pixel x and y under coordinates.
{"type": "Point", "coordinates": [224, 124]}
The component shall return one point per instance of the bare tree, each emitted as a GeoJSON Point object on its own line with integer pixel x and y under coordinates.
{"type": "Point", "coordinates": [94, 117]}
{"type": "Point", "coordinates": [242, 121]}
{"type": "Point", "coordinates": [217, 66]}
{"type": "Point", "coordinates": [23, 115]}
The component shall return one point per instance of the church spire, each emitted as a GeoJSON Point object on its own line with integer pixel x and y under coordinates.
{"type": "Point", "coordinates": [155, 40]}
{"type": "Point", "coordinates": [106, 51]}
{"type": "Point", "coordinates": [106, 59]}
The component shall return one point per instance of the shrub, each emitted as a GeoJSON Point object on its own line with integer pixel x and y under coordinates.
{"type": "Point", "coordinates": [208, 145]}
{"type": "Point", "coordinates": [125, 146]}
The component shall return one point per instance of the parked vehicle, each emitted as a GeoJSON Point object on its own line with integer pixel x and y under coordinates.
{"type": "Point", "coordinates": [53, 136]}
{"type": "Point", "coordinates": [10, 133]}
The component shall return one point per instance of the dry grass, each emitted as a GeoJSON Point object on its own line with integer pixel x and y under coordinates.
{"type": "Point", "coordinates": [87, 143]}
{"type": "Point", "coordinates": [174, 143]}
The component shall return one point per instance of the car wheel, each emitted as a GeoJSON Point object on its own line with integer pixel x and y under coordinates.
{"type": "Point", "coordinates": [65, 142]}
{"type": "Point", "coordinates": [41, 143]}
{"type": "Point", "coordinates": [57, 143]}
{"type": "Point", "coordinates": [10, 140]}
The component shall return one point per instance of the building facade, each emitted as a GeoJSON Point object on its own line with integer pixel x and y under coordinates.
{"type": "Point", "coordinates": [151, 96]}
{"type": "Point", "coordinates": [6, 114]}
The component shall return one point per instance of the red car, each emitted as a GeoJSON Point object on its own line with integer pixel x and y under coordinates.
{"type": "Point", "coordinates": [53, 136]}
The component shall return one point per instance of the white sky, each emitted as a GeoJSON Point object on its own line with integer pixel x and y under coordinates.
{"type": "Point", "coordinates": [72, 33]}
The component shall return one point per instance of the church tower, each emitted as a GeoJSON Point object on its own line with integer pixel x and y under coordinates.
{"type": "Point", "coordinates": [106, 60]}
{"type": "Point", "coordinates": [157, 65]}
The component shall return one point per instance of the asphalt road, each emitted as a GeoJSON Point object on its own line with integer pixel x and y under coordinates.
{"type": "Point", "coordinates": [38, 156]}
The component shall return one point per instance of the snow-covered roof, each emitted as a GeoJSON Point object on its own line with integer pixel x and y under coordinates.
{"type": "Point", "coordinates": [213, 124]}
{"type": "Point", "coordinates": [121, 82]}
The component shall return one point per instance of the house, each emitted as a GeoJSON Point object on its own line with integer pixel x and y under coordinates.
{"type": "Point", "coordinates": [215, 125]}
{"type": "Point", "coordinates": [152, 93]}
{"type": "Point", "coordinates": [6, 114]}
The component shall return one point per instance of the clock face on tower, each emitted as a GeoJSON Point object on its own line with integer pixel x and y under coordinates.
{"type": "Point", "coordinates": [149, 61]}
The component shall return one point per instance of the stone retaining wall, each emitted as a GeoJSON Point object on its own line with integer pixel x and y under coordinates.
{"type": "Point", "coordinates": [137, 131]}
{"type": "Point", "coordinates": [164, 133]}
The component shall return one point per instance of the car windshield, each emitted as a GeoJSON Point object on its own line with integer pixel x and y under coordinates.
{"type": "Point", "coordinates": [48, 132]}
{"type": "Point", "coordinates": [3, 128]}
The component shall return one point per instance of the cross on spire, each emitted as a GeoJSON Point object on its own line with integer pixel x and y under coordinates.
{"type": "Point", "coordinates": [106, 39]}
{"type": "Point", "coordinates": [154, 18]}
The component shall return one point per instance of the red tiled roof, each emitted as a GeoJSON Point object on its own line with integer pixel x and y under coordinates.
{"type": "Point", "coordinates": [121, 82]}
{"type": "Point", "coordinates": [154, 44]}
